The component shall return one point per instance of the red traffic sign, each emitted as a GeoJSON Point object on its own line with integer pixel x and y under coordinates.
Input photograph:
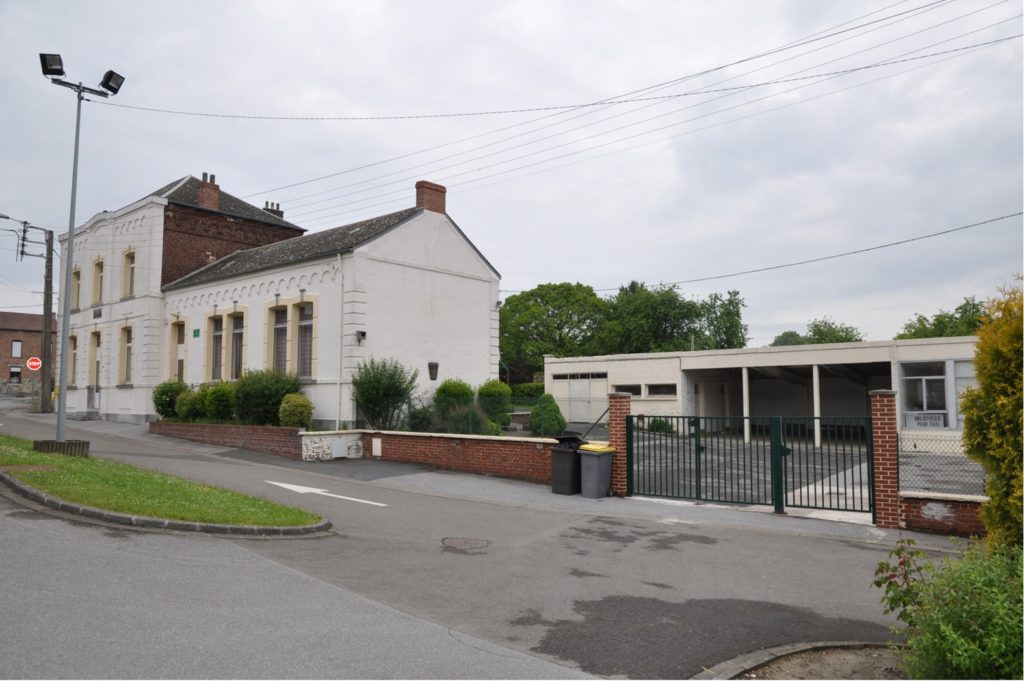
{"type": "Point", "coordinates": [34, 363]}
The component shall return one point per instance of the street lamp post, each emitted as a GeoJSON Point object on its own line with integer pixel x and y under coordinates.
{"type": "Point", "coordinates": [53, 68]}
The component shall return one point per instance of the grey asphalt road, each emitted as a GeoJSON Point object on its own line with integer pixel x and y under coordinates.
{"type": "Point", "coordinates": [609, 587]}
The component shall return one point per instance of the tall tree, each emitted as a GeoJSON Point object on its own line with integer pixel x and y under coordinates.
{"type": "Point", "coordinates": [558, 319]}
{"type": "Point", "coordinates": [822, 330]}
{"type": "Point", "coordinates": [962, 321]}
{"type": "Point", "coordinates": [641, 319]}
{"type": "Point", "coordinates": [992, 415]}
{"type": "Point", "coordinates": [722, 322]}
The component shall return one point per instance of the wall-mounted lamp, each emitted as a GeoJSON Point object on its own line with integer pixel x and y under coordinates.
{"type": "Point", "coordinates": [432, 368]}
{"type": "Point", "coordinates": [234, 306]}
{"type": "Point", "coordinates": [302, 295]}
{"type": "Point", "coordinates": [360, 337]}
{"type": "Point", "coordinates": [497, 305]}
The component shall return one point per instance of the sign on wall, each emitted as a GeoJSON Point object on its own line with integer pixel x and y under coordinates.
{"type": "Point", "coordinates": [34, 363]}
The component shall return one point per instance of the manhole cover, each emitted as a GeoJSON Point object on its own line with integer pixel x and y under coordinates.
{"type": "Point", "coordinates": [464, 544]}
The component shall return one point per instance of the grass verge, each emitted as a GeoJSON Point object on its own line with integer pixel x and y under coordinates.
{"type": "Point", "coordinates": [114, 486]}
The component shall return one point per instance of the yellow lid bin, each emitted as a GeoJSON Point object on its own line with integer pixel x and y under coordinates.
{"type": "Point", "coordinates": [597, 448]}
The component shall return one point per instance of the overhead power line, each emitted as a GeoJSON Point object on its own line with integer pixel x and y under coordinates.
{"type": "Point", "coordinates": [802, 41]}
{"type": "Point", "coordinates": [824, 76]}
{"type": "Point", "coordinates": [334, 191]}
{"type": "Point", "coordinates": [494, 112]}
{"type": "Point", "coordinates": [504, 173]}
{"type": "Point", "coordinates": [825, 257]}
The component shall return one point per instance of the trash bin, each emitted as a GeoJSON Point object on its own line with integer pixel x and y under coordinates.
{"type": "Point", "coordinates": [595, 470]}
{"type": "Point", "coordinates": [565, 465]}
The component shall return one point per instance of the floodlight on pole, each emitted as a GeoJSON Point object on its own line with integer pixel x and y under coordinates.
{"type": "Point", "coordinates": [53, 68]}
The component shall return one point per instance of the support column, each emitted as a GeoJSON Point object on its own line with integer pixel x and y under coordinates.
{"type": "Point", "coordinates": [619, 405]}
{"type": "Point", "coordinates": [746, 405]}
{"type": "Point", "coordinates": [886, 463]}
{"type": "Point", "coordinates": [816, 391]}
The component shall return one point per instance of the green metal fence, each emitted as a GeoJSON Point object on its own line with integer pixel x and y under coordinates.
{"type": "Point", "coordinates": [822, 463]}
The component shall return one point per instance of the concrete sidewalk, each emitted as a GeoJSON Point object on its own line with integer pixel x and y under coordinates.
{"type": "Point", "coordinates": [119, 438]}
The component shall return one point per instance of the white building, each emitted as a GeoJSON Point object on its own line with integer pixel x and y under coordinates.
{"type": "Point", "coordinates": [408, 286]}
{"type": "Point", "coordinates": [800, 380]}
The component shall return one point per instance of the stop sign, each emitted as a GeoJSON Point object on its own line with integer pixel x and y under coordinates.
{"type": "Point", "coordinates": [34, 363]}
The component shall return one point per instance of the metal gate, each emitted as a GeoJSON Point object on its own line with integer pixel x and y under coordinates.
{"type": "Point", "coordinates": [804, 462]}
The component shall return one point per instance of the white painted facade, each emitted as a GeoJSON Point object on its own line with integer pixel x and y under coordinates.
{"type": "Point", "coordinates": [122, 299]}
{"type": "Point", "coordinates": [420, 293]}
{"type": "Point", "coordinates": [803, 380]}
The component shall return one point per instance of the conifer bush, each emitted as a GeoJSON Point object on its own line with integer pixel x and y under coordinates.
{"type": "Point", "coordinates": [546, 418]}
{"type": "Point", "coordinates": [993, 416]}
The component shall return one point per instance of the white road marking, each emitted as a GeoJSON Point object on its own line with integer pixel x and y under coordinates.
{"type": "Point", "coordinates": [322, 492]}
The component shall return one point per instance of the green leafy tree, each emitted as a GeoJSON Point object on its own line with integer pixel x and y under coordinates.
{"type": "Point", "coordinates": [963, 321]}
{"type": "Point", "coordinates": [822, 330]}
{"type": "Point", "coordinates": [722, 321]}
{"type": "Point", "coordinates": [383, 390]}
{"type": "Point", "coordinates": [641, 319]}
{"type": "Point", "coordinates": [557, 319]}
{"type": "Point", "coordinates": [789, 338]}
{"type": "Point", "coordinates": [993, 415]}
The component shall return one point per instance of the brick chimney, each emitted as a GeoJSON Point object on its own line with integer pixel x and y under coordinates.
{"type": "Point", "coordinates": [274, 209]}
{"type": "Point", "coordinates": [430, 196]}
{"type": "Point", "coordinates": [208, 193]}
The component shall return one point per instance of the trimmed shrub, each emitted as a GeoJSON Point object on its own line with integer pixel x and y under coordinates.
{"type": "Point", "coordinates": [296, 411]}
{"type": "Point", "coordinates": [383, 390]}
{"type": "Point", "coordinates": [468, 419]}
{"type": "Point", "coordinates": [993, 415]}
{"type": "Point", "coordinates": [421, 419]}
{"type": "Point", "coordinates": [452, 393]}
{"type": "Point", "coordinates": [966, 622]}
{"type": "Point", "coordinates": [495, 399]}
{"type": "Point", "coordinates": [165, 397]}
{"type": "Point", "coordinates": [659, 425]}
{"type": "Point", "coordinates": [546, 418]}
{"type": "Point", "coordinates": [189, 406]}
{"type": "Point", "coordinates": [526, 393]}
{"type": "Point", "coordinates": [220, 401]}
{"type": "Point", "coordinates": [258, 395]}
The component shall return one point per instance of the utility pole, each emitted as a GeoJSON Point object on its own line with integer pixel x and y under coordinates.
{"type": "Point", "coordinates": [46, 385]}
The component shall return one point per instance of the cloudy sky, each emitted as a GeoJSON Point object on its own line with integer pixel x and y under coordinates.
{"type": "Point", "coordinates": [701, 163]}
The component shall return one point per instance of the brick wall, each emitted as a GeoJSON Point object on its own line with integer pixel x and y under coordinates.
{"type": "Point", "coordinates": [275, 440]}
{"type": "Point", "coordinates": [885, 441]}
{"type": "Point", "coordinates": [191, 233]}
{"type": "Point", "coordinates": [504, 457]}
{"type": "Point", "coordinates": [27, 328]}
{"type": "Point", "coordinates": [941, 515]}
{"type": "Point", "coordinates": [619, 405]}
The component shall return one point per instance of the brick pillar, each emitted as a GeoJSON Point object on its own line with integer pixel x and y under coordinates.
{"type": "Point", "coordinates": [885, 440]}
{"type": "Point", "coordinates": [619, 405]}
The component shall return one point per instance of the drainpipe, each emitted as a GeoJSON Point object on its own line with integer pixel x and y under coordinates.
{"type": "Point", "coordinates": [341, 339]}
